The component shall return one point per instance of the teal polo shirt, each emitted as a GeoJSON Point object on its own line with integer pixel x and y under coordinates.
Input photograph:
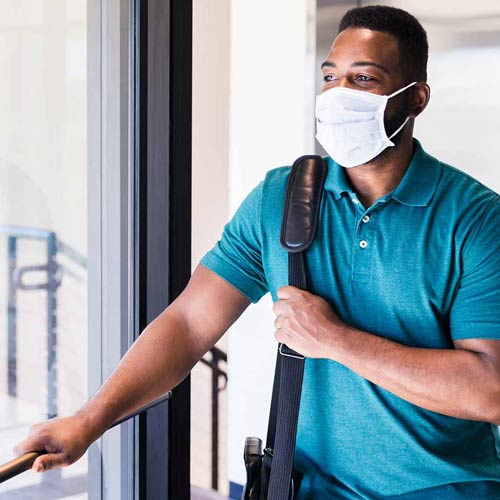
{"type": "Point", "coordinates": [421, 267]}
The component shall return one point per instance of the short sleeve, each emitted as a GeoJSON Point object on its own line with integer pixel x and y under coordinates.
{"type": "Point", "coordinates": [237, 256]}
{"type": "Point", "coordinates": [475, 312]}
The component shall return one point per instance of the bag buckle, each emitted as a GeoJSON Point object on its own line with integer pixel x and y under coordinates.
{"type": "Point", "coordinates": [290, 353]}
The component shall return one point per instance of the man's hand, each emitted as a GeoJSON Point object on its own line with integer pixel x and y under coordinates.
{"type": "Point", "coordinates": [64, 439]}
{"type": "Point", "coordinates": [306, 322]}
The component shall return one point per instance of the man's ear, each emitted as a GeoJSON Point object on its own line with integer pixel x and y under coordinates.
{"type": "Point", "coordinates": [420, 98]}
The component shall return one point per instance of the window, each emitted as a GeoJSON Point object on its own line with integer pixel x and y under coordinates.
{"type": "Point", "coordinates": [43, 228]}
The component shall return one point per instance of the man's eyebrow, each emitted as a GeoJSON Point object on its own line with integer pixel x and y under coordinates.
{"type": "Point", "coordinates": [370, 63]}
{"type": "Point", "coordinates": [330, 64]}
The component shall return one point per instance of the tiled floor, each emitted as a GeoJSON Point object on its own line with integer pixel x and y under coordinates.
{"type": "Point", "coordinates": [199, 494]}
{"type": "Point", "coordinates": [67, 488]}
{"type": "Point", "coordinates": [75, 489]}
{"type": "Point", "coordinates": [79, 484]}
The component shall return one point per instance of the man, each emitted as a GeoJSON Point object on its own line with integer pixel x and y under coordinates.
{"type": "Point", "coordinates": [401, 392]}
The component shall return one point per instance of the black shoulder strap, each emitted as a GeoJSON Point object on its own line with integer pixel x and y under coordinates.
{"type": "Point", "coordinates": [302, 200]}
{"type": "Point", "coordinates": [300, 217]}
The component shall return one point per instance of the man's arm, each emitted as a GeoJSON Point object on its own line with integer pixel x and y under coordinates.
{"type": "Point", "coordinates": [462, 382]}
{"type": "Point", "coordinates": [158, 360]}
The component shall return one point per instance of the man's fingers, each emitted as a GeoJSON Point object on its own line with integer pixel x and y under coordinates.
{"type": "Point", "coordinates": [27, 445]}
{"type": "Point", "coordinates": [50, 461]}
{"type": "Point", "coordinates": [286, 292]}
{"type": "Point", "coordinates": [62, 441]}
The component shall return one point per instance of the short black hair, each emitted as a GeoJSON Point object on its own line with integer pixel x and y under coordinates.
{"type": "Point", "coordinates": [411, 36]}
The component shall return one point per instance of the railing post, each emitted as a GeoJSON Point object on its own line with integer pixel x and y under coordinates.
{"type": "Point", "coordinates": [216, 356]}
{"type": "Point", "coordinates": [12, 319]}
{"type": "Point", "coordinates": [215, 421]}
{"type": "Point", "coordinates": [52, 285]}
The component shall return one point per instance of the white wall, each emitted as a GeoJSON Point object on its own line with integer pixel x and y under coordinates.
{"type": "Point", "coordinates": [210, 206]}
{"type": "Point", "coordinates": [210, 192]}
{"type": "Point", "coordinates": [461, 124]}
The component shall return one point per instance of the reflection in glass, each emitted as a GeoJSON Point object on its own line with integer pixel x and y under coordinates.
{"type": "Point", "coordinates": [43, 230]}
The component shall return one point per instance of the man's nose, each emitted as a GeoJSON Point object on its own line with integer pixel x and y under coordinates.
{"type": "Point", "coordinates": [344, 82]}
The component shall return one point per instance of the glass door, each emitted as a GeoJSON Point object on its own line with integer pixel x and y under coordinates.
{"type": "Point", "coordinates": [43, 229]}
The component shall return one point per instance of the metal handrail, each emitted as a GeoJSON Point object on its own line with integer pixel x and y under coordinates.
{"type": "Point", "coordinates": [24, 462]}
{"type": "Point", "coordinates": [43, 234]}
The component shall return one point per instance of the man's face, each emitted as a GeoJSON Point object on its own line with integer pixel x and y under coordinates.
{"type": "Point", "coordinates": [367, 60]}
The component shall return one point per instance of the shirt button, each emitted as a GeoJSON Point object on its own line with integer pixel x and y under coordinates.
{"type": "Point", "coordinates": [363, 243]}
{"type": "Point", "coordinates": [355, 200]}
{"type": "Point", "coordinates": [366, 218]}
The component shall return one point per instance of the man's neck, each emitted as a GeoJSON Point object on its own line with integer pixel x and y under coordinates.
{"type": "Point", "coordinates": [380, 176]}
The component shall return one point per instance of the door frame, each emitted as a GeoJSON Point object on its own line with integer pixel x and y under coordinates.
{"type": "Point", "coordinates": [162, 172]}
{"type": "Point", "coordinates": [139, 213]}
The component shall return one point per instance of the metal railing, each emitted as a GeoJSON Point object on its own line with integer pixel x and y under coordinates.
{"type": "Point", "coordinates": [16, 281]}
{"type": "Point", "coordinates": [217, 357]}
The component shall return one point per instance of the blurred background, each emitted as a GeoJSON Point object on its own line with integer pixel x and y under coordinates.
{"type": "Point", "coordinates": [255, 74]}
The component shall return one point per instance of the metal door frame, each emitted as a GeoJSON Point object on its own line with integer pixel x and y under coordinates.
{"type": "Point", "coordinates": [162, 172]}
{"type": "Point", "coordinates": [139, 213]}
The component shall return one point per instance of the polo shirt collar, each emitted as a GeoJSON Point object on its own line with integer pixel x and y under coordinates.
{"type": "Point", "coordinates": [336, 181]}
{"type": "Point", "coordinates": [416, 188]}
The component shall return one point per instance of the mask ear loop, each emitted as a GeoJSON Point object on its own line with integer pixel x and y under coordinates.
{"type": "Point", "coordinates": [401, 90]}
{"type": "Point", "coordinates": [407, 118]}
{"type": "Point", "coordinates": [400, 128]}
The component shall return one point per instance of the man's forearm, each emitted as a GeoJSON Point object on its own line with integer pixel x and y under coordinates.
{"type": "Point", "coordinates": [158, 360]}
{"type": "Point", "coordinates": [453, 382]}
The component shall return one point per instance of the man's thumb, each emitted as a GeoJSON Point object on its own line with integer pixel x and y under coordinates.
{"type": "Point", "coordinates": [48, 461]}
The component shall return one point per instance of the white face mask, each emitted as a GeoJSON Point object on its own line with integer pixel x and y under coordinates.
{"type": "Point", "coordinates": [350, 124]}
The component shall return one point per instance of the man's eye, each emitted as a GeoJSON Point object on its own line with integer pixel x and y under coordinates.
{"type": "Point", "coordinates": [328, 78]}
{"type": "Point", "coordinates": [365, 78]}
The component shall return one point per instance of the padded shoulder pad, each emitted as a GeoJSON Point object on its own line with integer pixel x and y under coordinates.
{"type": "Point", "coordinates": [302, 200]}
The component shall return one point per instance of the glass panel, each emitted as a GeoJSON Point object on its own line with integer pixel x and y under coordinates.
{"type": "Point", "coordinates": [43, 229]}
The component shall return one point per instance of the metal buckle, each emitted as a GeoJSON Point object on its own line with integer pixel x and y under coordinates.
{"type": "Point", "coordinates": [289, 355]}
